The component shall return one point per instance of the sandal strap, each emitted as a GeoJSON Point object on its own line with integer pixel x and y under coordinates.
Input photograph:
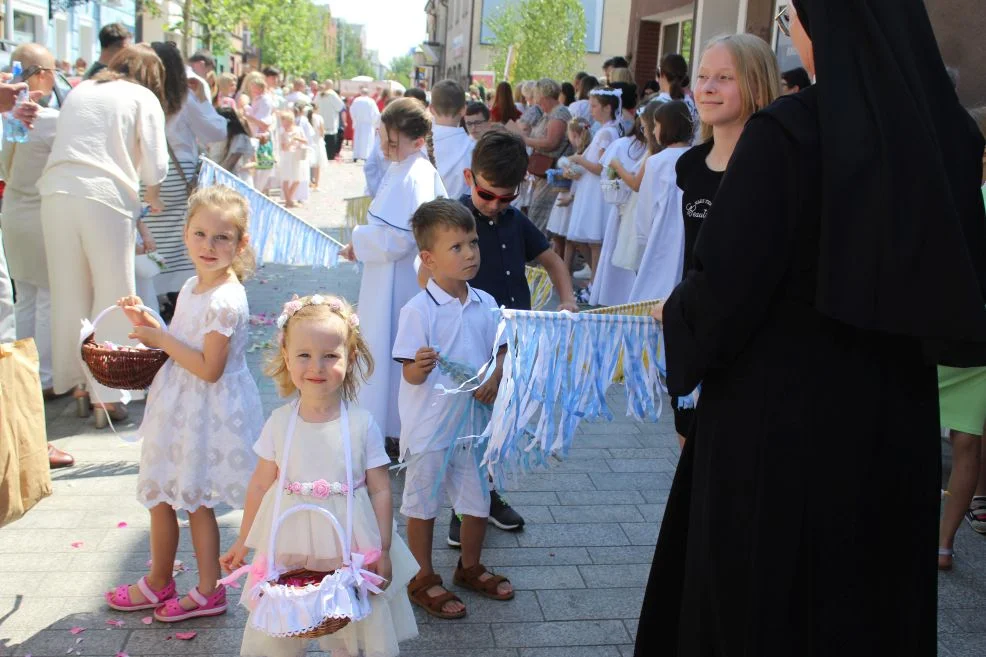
{"type": "Point", "coordinates": [197, 597]}
{"type": "Point", "coordinates": [146, 591]}
{"type": "Point", "coordinates": [945, 552]}
{"type": "Point", "coordinates": [473, 574]}
{"type": "Point", "coordinates": [424, 583]}
{"type": "Point", "coordinates": [436, 603]}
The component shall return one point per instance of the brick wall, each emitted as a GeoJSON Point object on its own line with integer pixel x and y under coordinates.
{"type": "Point", "coordinates": [645, 59]}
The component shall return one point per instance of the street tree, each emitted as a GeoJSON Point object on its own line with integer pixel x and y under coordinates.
{"type": "Point", "coordinates": [547, 36]}
{"type": "Point", "coordinates": [401, 69]}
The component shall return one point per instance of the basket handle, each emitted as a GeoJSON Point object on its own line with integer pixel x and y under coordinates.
{"type": "Point", "coordinates": [296, 509]}
{"type": "Point", "coordinates": [145, 309]}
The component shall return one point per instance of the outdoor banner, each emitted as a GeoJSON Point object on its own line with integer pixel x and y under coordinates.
{"type": "Point", "coordinates": [485, 78]}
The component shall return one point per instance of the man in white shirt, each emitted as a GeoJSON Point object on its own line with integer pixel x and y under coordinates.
{"type": "Point", "coordinates": [365, 114]}
{"type": "Point", "coordinates": [329, 105]}
{"type": "Point", "coordinates": [203, 63]}
{"type": "Point", "coordinates": [453, 145]}
{"type": "Point", "coordinates": [299, 93]}
{"type": "Point", "coordinates": [22, 165]}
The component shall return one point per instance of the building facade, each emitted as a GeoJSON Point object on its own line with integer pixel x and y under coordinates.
{"type": "Point", "coordinates": [458, 34]}
{"type": "Point", "coordinates": [658, 27]}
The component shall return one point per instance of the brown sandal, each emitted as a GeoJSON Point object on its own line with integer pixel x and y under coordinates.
{"type": "Point", "coordinates": [469, 578]}
{"type": "Point", "coordinates": [417, 591]}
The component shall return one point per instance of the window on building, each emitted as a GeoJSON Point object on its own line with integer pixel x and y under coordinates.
{"type": "Point", "coordinates": [593, 10]}
{"type": "Point", "coordinates": [676, 37]}
{"type": "Point", "coordinates": [25, 27]}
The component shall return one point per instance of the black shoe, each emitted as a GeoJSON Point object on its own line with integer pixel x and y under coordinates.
{"type": "Point", "coordinates": [454, 529]}
{"type": "Point", "coordinates": [502, 515]}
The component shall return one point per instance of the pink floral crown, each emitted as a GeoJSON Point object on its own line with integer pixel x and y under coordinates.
{"type": "Point", "coordinates": [296, 304]}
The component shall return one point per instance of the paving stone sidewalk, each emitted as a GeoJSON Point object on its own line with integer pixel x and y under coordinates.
{"type": "Point", "coordinates": [579, 566]}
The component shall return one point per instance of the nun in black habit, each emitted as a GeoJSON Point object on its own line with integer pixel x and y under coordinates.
{"type": "Point", "coordinates": [842, 259]}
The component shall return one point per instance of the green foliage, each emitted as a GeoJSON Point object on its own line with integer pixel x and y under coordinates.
{"type": "Point", "coordinates": [350, 60]}
{"type": "Point", "coordinates": [215, 20]}
{"type": "Point", "coordinates": [401, 69]}
{"type": "Point", "coordinates": [548, 38]}
{"type": "Point", "coordinates": [279, 32]}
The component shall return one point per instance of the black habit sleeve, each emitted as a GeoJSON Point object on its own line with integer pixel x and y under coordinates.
{"type": "Point", "coordinates": [742, 253]}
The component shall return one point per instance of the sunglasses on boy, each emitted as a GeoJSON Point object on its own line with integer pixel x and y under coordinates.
{"type": "Point", "coordinates": [487, 195]}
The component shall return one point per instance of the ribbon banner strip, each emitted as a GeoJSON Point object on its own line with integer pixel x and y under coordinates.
{"type": "Point", "coordinates": [278, 235]}
{"type": "Point", "coordinates": [556, 373]}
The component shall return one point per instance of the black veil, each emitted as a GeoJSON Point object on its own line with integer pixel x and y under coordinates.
{"type": "Point", "coordinates": [903, 238]}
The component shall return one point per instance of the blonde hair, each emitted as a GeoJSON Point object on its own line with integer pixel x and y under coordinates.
{"type": "Point", "coordinates": [253, 79]}
{"type": "Point", "coordinates": [359, 359]}
{"type": "Point", "coordinates": [580, 128]}
{"type": "Point", "coordinates": [620, 74]}
{"type": "Point", "coordinates": [757, 73]}
{"type": "Point", "coordinates": [409, 117]}
{"type": "Point", "coordinates": [226, 82]}
{"type": "Point", "coordinates": [234, 208]}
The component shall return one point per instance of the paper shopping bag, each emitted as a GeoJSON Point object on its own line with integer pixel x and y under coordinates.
{"type": "Point", "coordinates": [24, 476]}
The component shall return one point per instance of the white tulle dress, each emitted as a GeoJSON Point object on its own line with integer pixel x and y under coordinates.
{"type": "Point", "coordinates": [307, 540]}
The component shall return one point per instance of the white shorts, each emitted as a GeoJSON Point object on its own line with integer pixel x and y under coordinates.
{"type": "Point", "coordinates": [465, 490]}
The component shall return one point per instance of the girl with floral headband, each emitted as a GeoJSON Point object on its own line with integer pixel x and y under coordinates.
{"type": "Point", "coordinates": [323, 356]}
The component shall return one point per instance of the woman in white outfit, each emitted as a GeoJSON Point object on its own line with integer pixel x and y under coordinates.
{"type": "Point", "coordinates": [109, 139]}
{"type": "Point", "coordinates": [192, 120]}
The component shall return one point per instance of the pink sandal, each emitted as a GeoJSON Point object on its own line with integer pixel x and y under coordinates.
{"type": "Point", "coordinates": [119, 598]}
{"type": "Point", "coordinates": [214, 605]}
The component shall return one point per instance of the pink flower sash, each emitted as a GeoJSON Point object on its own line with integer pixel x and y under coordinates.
{"type": "Point", "coordinates": [321, 489]}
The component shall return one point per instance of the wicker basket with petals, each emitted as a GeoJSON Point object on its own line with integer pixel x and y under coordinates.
{"type": "Point", "coordinates": [122, 367]}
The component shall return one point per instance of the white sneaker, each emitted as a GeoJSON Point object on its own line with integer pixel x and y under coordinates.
{"type": "Point", "coordinates": [583, 274]}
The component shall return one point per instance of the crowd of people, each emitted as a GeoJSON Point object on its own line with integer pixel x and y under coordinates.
{"type": "Point", "coordinates": [752, 209]}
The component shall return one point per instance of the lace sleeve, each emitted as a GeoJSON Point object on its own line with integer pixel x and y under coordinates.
{"type": "Point", "coordinates": [227, 309]}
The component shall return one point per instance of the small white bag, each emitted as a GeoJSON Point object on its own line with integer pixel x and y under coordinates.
{"type": "Point", "coordinates": [627, 252]}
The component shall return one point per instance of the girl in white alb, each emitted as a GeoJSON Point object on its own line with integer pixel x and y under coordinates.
{"type": "Point", "coordinates": [612, 284]}
{"type": "Point", "coordinates": [387, 249]}
{"type": "Point", "coordinates": [318, 453]}
{"type": "Point", "coordinates": [203, 409]}
{"type": "Point", "coordinates": [658, 218]}
{"type": "Point", "coordinates": [587, 225]}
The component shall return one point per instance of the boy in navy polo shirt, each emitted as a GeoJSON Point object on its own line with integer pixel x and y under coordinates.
{"type": "Point", "coordinates": [507, 242]}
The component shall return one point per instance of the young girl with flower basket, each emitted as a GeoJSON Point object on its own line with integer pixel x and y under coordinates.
{"type": "Point", "coordinates": [322, 467]}
{"type": "Point", "coordinates": [203, 410]}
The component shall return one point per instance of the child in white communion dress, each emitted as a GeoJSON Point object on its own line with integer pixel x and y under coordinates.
{"type": "Point", "coordinates": [322, 453]}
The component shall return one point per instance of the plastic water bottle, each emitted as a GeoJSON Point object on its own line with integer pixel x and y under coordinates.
{"type": "Point", "coordinates": [13, 129]}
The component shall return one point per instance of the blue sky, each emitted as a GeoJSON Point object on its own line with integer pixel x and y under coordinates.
{"type": "Point", "coordinates": [393, 26]}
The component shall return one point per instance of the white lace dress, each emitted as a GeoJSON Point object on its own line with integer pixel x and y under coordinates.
{"type": "Point", "coordinates": [198, 436]}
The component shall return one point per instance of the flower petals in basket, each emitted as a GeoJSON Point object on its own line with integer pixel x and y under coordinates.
{"type": "Point", "coordinates": [308, 605]}
{"type": "Point", "coordinates": [120, 367]}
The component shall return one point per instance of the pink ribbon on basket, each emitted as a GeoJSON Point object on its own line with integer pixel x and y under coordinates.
{"type": "Point", "coordinates": [365, 580]}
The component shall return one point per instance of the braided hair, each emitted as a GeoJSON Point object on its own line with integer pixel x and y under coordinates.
{"type": "Point", "coordinates": [410, 118]}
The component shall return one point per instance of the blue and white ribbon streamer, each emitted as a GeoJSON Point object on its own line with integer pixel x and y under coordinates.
{"type": "Point", "coordinates": [556, 372]}
{"type": "Point", "coordinates": [277, 235]}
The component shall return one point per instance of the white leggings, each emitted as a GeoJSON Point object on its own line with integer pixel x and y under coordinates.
{"type": "Point", "coordinates": [90, 249]}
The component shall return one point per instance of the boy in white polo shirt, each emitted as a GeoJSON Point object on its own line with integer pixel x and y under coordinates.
{"type": "Point", "coordinates": [447, 329]}
{"type": "Point", "coordinates": [453, 145]}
